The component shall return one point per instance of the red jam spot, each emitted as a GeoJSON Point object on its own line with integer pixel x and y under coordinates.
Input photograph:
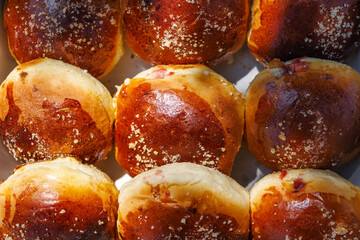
{"type": "Point", "coordinates": [159, 73]}
{"type": "Point", "coordinates": [162, 193]}
{"type": "Point", "coordinates": [166, 197]}
{"type": "Point", "coordinates": [298, 185]}
{"type": "Point", "coordinates": [297, 65]}
{"type": "Point", "coordinates": [158, 172]}
{"type": "Point", "coordinates": [283, 174]}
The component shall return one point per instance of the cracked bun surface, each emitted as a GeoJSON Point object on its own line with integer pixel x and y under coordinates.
{"type": "Point", "coordinates": [183, 201]}
{"type": "Point", "coordinates": [290, 29]}
{"type": "Point", "coordinates": [87, 34]}
{"type": "Point", "coordinates": [185, 32]}
{"type": "Point", "coordinates": [49, 108]}
{"type": "Point", "coordinates": [305, 204]}
{"type": "Point", "coordinates": [304, 114]}
{"type": "Point", "coordinates": [177, 113]}
{"type": "Point", "coordinates": [59, 199]}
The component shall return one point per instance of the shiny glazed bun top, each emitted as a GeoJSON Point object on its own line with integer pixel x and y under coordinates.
{"type": "Point", "coordinates": [304, 114]}
{"type": "Point", "coordinates": [59, 199]}
{"type": "Point", "coordinates": [305, 204]}
{"type": "Point", "coordinates": [183, 201]}
{"type": "Point", "coordinates": [327, 29]}
{"type": "Point", "coordinates": [177, 113]}
{"type": "Point", "coordinates": [49, 108]}
{"type": "Point", "coordinates": [87, 34]}
{"type": "Point", "coordinates": [183, 32]}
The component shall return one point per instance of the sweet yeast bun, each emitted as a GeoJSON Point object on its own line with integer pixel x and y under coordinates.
{"type": "Point", "coordinates": [185, 32]}
{"type": "Point", "coordinates": [177, 113]}
{"type": "Point", "coordinates": [305, 204]}
{"type": "Point", "coordinates": [183, 201]}
{"type": "Point", "coordinates": [59, 199]}
{"type": "Point", "coordinates": [49, 108]}
{"type": "Point", "coordinates": [87, 34]}
{"type": "Point", "coordinates": [291, 29]}
{"type": "Point", "coordinates": [304, 114]}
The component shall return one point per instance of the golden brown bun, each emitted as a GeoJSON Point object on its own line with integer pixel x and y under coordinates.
{"type": "Point", "coordinates": [49, 108]}
{"type": "Point", "coordinates": [59, 199]}
{"type": "Point", "coordinates": [177, 113]}
{"type": "Point", "coordinates": [304, 114]}
{"type": "Point", "coordinates": [305, 204]}
{"type": "Point", "coordinates": [83, 33]}
{"type": "Point", "coordinates": [183, 32]}
{"type": "Point", "coordinates": [183, 201]}
{"type": "Point", "coordinates": [291, 29]}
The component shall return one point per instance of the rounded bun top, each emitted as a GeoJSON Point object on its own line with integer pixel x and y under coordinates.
{"type": "Point", "coordinates": [178, 113]}
{"type": "Point", "coordinates": [50, 108]}
{"type": "Point", "coordinates": [86, 34]}
{"type": "Point", "coordinates": [332, 29]}
{"type": "Point", "coordinates": [58, 199]}
{"type": "Point", "coordinates": [312, 180]}
{"type": "Point", "coordinates": [57, 81]}
{"type": "Point", "coordinates": [185, 32]}
{"type": "Point", "coordinates": [303, 114]}
{"type": "Point", "coordinates": [62, 171]}
{"type": "Point", "coordinates": [197, 78]}
{"type": "Point", "coordinates": [183, 200]}
{"type": "Point", "coordinates": [305, 204]}
{"type": "Point", "coordinates": [185, 181]}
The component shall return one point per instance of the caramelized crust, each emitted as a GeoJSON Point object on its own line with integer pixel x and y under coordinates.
{"type": "Point", "coordinates": [299, 205]}
{"type": "Point", "coordinates": [83, 33]}
{"type": "Point", "coordinates": [304, 114]}
{"type": "Point", "coordinates": [59, 199]}
{"type": "Point", "coordinates": [183, 201]}
{"type": "Point", "coordinates": [292, 29]}
{"type": "Point", "coordinates": [50, 109]}
{"type": "Point", "coordinates": [177, 114]}
{"type": "Point", "coordinates": [183, 32]}
{"type": "Point", "coordinates": [161, 221]}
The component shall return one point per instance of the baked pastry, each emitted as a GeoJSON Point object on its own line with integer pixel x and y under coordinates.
{"type": "Point", "coordinates": [305, 204]}
{"type": "Point", "coordinates": [304, 114]}
{"type": "Point", "coordinates": [87, 34]}
{"type": "Point", "coordinates": [177, 113]}
{"type": "Point", "coordinates": [291, 29]}
{"type": "Point", "coordinates": [49, 108]}
{"type": "Point", "coordinates": [183, 201]}
{"type": "Point", "coordinates": [184, 32]}
{"type": "Point", "coordinates": [59, 199]}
